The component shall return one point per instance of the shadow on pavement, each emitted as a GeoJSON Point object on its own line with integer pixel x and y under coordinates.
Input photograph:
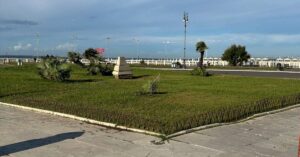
{"type": "Point", "coordinates": [30, 144]}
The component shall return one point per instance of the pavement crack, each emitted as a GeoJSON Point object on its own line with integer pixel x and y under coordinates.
{"type": "Point", "coordinates": [148, 154]}
{"type": "Point", "coordinates": [115, 138]}
{"type": "Point", "coordinates": [196, 145]}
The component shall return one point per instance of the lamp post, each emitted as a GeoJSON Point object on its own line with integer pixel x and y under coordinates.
{"type": "Point", "coordinates": [74, 42]}
{"type": "Point", "coordinates": [107, 43]}
{"type": "Point", "coordinates": [185, 20]}
{"type": "Point", "coordinates": [37, 45]}
{"type": "Point", "coordinates": [137, 41]}
{"type": "Point", "coordinates": [166, 43]}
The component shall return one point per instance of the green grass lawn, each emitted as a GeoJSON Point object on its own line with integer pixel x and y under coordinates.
{"type": "Point", "coordinates": [184, 101]}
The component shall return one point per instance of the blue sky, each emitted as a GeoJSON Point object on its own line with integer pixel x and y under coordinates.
{"type": "Point", "coordinates": [149, 28]}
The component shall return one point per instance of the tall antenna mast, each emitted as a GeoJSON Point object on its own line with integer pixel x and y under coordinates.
{"type": "Point", "coordinates": [185, 20]}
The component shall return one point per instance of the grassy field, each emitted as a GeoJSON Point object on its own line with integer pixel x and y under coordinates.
{"type": "Point", "coordinates": [184, 101]}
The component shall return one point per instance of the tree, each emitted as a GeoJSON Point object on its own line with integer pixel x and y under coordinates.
{"type": "Point", "coordinates": [91, 54]}
{"type": "Point", "coordinates": [75, 57]}
{"type": "Point", "coordinates": [201, 47]}
{"type": "Point", "coordinates": [95, 66]}
{"type": "Point", "coordinates": [236, 55]}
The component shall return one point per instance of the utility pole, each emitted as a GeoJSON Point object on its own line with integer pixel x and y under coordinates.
{"type": "Point", "coordinates": [185, 20]}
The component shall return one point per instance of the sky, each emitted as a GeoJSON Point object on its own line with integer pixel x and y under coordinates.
{"type": "Point", "coordinates": [149, 28]}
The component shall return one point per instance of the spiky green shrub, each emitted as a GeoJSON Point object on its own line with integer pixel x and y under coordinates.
{"type": "Point", "coordinates": [51, 68]}
{"type": "Point", "coordinates": [151, 87]}
{"type": "Point", "coordinates": [199, 71]}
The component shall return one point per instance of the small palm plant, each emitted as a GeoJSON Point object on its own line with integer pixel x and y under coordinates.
{"type": "Point", "coordinates": [151, 87]}
{"type": "Point", "coordinates": [200, 70]}
{"type": "Point", "coordinates": [51, 68]}
{"type": "Point", "coordinates": [201, 47]}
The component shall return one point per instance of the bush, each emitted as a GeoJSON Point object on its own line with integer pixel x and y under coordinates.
{"type": "Point", "coordinates": [142, 62]}
{"type": "Point", "coordinates": [51, 68]}
{"type": "Point", "coordinates": [75, 57]}
{"type": "Point", "coordinates": [200, 72]}
{"type": "Point", "coordinates": [279, 67]}
{"type": "Point", "coordinates": [107, 69]}
{"type": "Point", "coordinates": [151, 87]}
{"type": "Point", "coordinates": [93, 69]}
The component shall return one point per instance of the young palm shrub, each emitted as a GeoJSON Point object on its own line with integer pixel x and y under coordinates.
{"type": "Point", "coordinates": [52, 68]}
{"type": "Point", "coordinates": [200, 72]}
{"type": "Point", "coordinates": [151, 87]}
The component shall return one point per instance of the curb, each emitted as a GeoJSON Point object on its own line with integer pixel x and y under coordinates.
{"type": "Point", "coordinates": [183, 132]}
{"type": "Point", "coordinates": [91, 121]}
{"type": "Point", "coordinates": [163, 136]}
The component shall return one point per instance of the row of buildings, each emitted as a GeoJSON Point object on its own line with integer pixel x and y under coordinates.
{"type": "Point", "coordinates": [260, 62]}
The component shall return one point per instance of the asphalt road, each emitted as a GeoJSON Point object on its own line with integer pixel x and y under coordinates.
{"type": "Point", "coordinates": [254, 73]}
{"type": "Point", "coordinates": [279, 74]}
{"type": "Point", "coordinates": [29, 134]}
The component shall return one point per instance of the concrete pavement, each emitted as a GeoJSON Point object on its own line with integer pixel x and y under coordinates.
{"type": "Point", "coordinates": [26, 133]}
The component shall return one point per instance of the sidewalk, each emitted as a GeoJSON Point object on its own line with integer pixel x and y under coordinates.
{"type": "Point", "coordinates": [25, 133]}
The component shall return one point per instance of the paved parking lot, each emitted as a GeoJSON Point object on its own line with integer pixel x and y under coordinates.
{"type": "Point", "coordinates": [30, 134]}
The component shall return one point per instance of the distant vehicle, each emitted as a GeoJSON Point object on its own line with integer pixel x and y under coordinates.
{"type": "Point", "coordinates": [176, 65]}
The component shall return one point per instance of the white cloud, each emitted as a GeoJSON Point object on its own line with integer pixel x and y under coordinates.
{"type": "Point", "coordinates": [254, 38]}
{"type": "Point", "coordinates": [21, 46]}
{"type": "Point", "coordinates": [66, 46]}
{"type": "Point", "coordinates": [243, 38]}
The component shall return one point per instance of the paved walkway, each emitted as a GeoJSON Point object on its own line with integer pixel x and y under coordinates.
{"type": "Point", "coordinates": [29, 134]}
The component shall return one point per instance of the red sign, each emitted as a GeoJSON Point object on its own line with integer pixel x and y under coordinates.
{"type": "Point", "coordinates": [100, 51]}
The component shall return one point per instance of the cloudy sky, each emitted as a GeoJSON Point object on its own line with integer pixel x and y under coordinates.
{"type": "Point", "coordinates": [149, 28]}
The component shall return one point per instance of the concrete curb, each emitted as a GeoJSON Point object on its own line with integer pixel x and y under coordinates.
{"type": "Point", "coordinates": [222, 124]}
{"type": "Point", "coordinates": [91, 121]}
{"type": "Point", "coordinates": [163, 136]}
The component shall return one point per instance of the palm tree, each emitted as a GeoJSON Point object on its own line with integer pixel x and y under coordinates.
{"type": "Point", "coordinates": [201, 47]}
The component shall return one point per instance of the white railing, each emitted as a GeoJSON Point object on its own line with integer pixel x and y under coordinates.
{"type": "Point", "coordinates": [294, 63]}
{"type": "Point", "coordinates": [262, 62]}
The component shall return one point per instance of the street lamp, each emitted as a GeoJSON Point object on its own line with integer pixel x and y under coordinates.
{"type": "Point", "coordinates": [137, 41]}
{"type": "Point", "coordinates": [185, 20]}
{"type": "Point", "coordinates": [107, 44]}
{"type": "Point", "coordinates": [74, 42]}
{"type": "Point", "coordinates": [166, 43]}
{"type": "Point", "coordinates": [37, 45]}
